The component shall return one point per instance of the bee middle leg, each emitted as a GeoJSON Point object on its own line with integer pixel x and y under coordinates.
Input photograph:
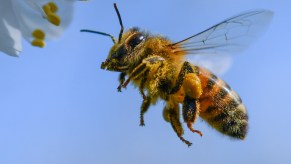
{"type": "Point", "coordinates": [144, 108]}
{"type": "Point", "coordinates": [172, 115]}
{"type": "Point", "coordinates": [146, 99]}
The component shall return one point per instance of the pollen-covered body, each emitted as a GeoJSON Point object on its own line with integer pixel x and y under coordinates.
{"type": "Point", "coordinates": [157, 67]}
{"type": "Point", "coordinates": [160, 72]}
{"type": "Point", "coordinates": [163, 69]}
{"type": "Point", "coordinates": [219, 105]}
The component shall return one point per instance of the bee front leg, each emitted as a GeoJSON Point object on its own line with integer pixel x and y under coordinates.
{"type": "Point", "coordinates": [141, 68]}
{"type": "Point", "coordinates": [121, 80]}
{"type": "Point", "coordinates": [146, 64]}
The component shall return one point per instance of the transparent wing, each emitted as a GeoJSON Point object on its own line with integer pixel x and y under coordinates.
{"type": "Point", "coordinates": [227, 37]}
{"type": "Point", "coordinates": [217, 64]}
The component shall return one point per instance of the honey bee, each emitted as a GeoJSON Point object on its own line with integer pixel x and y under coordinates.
{"type": "Point", "coordinates": [157, 66]}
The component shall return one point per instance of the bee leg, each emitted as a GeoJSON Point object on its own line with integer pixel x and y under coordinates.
{"type": "Point", "coordinates": [142, 83]}
{"type": "Point", "coordinates": [144, 108]}
{"type": "Point", "coordinates": [186, 68]}
{"type": "Point", "coordinates": [141, 68]}
{"type": "Point", "coordinates": [146, 64]}
{"type": "Point", "coordinates": [191, 112]}
{"type": "Point", "coordinates": [146, 99]}
{"type": "Point", "coordinates": [121, 80]}
{"type": "Point", "coordinates": [191, 106]}
{"type": "Point", "coordinates": [172, 115]}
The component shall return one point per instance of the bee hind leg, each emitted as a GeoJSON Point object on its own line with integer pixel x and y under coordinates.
{"type": "Point", "coordinates": [189, 125]}
{"type": "Point", "coordinates": [172, 115]}
{"type": "Point", "coordinates": [185, 70]}
{"type": "Point", "coordinates": [193, 90]}
{"type": "Point", "coordinates": [191, 113]}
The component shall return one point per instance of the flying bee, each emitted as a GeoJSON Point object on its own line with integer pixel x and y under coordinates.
{"type": "Point", "coordinates": [157, 66]}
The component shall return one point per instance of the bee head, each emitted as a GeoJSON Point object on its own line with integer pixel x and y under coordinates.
{"type": "Point", "coordinates": [125, 50]}
{"type": "Point", "coordinates": [124, 54]}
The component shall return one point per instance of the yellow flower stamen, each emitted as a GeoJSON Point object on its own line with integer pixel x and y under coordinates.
{"type": "Point", "coordinates": [38, 34]}
{"type": "Point", "coordinates": [39, 37]}
{"type": "Point", "coordinates": [46, 9]}
{"type": "Point", "coordinates": [50, 10]}
{"type": "Point", "coordinates": [38, 43]}
{"type": "Point", "coordinates": [53, 7]}
{"type": "Point", "coordinates": [54, 19]}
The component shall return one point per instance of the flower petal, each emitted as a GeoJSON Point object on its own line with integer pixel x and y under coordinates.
{"type": "Point", "coordinates": [31, 17]}
{"type": "Point", "coordinates": [10, 36]}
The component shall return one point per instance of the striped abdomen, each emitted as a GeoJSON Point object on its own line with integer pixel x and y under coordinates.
{"type": "Point", "coordinates": [221, 107]}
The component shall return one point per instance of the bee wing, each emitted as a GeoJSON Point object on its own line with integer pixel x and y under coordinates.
{"type": "Point", "coordinates": [217, 64]}
{"type": "Point", "coordinates": [227, 37]}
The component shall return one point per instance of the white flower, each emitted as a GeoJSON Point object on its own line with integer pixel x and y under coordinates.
{"type": "Point", "coordinates": [34, 20]}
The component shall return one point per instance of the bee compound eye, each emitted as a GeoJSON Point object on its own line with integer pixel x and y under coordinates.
{"type": "Point", "coordinates": [135, 40]}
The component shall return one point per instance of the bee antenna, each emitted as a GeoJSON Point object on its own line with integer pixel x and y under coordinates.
{"type": "Point", "coordinates": [100, 33]}
{"type": "Point", "coordinates": [120, 22]}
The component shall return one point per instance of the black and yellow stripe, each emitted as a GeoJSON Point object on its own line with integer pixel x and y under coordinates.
{"type": "Point", "coordinates": [221, 107]}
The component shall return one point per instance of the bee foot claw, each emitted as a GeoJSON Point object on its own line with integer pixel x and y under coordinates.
{"type": "Point", "coordinates": [185, 141]}
{"type": "Point", "coordinates": [193, 130]}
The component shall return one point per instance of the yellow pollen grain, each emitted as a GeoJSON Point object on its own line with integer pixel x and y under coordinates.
{"type": "Point", "coordinates": [38, 34]}
{"type": "Point", "coordinates": [38, 43]}
{"type": "Point", "coordinates": [46, 9]}
{"type": "Point", "coordinates": [54, 19]}
{"type": "Point", "coordinates": [192, 85]}
{"type": "Point", "coordinates": [53, 7]}
{"type": "Point", "coordinates": [50, 8]}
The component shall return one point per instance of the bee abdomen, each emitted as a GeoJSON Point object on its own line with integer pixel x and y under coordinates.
{"type": "Point", "coordinates": [230, 121]}
{"type": "Point", "coordinates": [221, 107]}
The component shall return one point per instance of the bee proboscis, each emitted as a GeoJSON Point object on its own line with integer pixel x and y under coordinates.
{"type": "Point", "coordinates": [157, 66]}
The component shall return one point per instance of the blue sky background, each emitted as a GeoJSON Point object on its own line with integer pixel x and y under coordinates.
{"type": "Point", "coordinates": [58, 107]}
